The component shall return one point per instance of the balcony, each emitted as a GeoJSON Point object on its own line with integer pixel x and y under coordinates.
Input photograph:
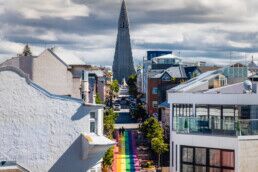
{"type": "Point", "coordinates": [215, 126]}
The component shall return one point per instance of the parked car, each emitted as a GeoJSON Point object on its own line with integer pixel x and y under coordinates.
{"type": "Point", "coordinates": [117, 107]}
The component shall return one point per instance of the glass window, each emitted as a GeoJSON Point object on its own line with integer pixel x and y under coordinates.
{"type": "Point", "coordinates": [186, 110]}
{"type": "Point", "coordinates": [227, 170]}
{"type": "Point", "coordinates": [228, 117]}
{"type": "Point", "coordinates": [92, 127]}
{"type": "Point", "coordinates": [245, 112]}
{"type": "Point", "coordinates": [227, 158]}
{"type": "Point", "coordinates": [200, 168]}
{"type": "Point", "coordinates": [214, 169]}
{"type": "Point", "coordinates": [215, 117]}
{"type": "Point", "coordinates": [214, 157]}
{"type": "Point", "coordinates": [92, 122]}
{"type": "Point", "coordinates": [187, 155]}
{"type": "Point", "coordinates": [191, 110]}
{"type": "Point", "coordinates": [187, 168]}
{"type": "Point", "coordinates": [155, 90]}
{"type": "Point", "coordinates": [155, 104]}
{"type": "Point", "coordinates": [206, 159]}
{"type": "Point", "coordinates": [174, 110]}
{"type": "Point", "coordinates": [92, 115]}
{"type": "Point", "coordinates": [200, 156]}
{"type": "Point", "coordinates": [201, 111]}
{"type": "Point", "coordinates": [177, 110]}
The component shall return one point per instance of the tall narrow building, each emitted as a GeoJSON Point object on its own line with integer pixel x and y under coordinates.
{"type": "Point", "coordinates": [123, 65]}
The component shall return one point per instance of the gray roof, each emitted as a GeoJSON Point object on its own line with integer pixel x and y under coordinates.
{"type": "Point", "coordinates": [195, 82]}
{"type": "Point", "coordinates": [153, 73]}
{"type": "Point", "coordinates": [175, 72]}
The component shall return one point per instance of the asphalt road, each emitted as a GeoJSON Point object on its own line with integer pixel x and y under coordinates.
{"type": "Point", "coordinates": [124, 120]}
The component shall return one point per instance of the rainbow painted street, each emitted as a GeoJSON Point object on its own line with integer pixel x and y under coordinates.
{"type": "Point", "coordinates": [125, 153]}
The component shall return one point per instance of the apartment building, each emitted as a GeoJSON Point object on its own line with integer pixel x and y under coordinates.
{"type": "Point", "coordinates": [214, 129]}
{"type": "Point", "coordinates": [41, 131]}
{"type": "Point", "coordinates": [59, 74]}
{"type": "Point", "coordinates": [159, 83]}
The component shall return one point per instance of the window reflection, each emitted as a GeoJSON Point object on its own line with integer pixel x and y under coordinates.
{"type": "Point", "coordinates": [207, 159]}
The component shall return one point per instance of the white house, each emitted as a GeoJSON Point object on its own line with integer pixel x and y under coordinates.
{"type": "Point", "coordinates": [43, 132]}
{"type": "Point", "coordinates": [215, 130]}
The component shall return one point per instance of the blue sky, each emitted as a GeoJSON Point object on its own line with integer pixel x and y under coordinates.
{"type": "Point", "coordinates": [199, 29]}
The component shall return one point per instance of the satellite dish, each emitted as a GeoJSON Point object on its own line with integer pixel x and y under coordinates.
{"type": "Point", "coordinates": [248, 86]}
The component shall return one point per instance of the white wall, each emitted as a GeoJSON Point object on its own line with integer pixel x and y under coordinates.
{"type": "Point", "coordinates": [42, 131]}
{"type": "Point", "coordinates": [52, 74]}
{"type": "Point", "coordinates": [220, 99]}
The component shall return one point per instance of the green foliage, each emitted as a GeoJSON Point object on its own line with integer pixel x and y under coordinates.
{"type": "Point", "coordinates": [148, 164]}
{"type": "Point", "coordinates": [26, 51]}
{"type": "Point", "coordinates": [173, 79]}
{"type": "Point", "coordinates": [140, 112]}
{"type": "Point", "coordinates": [108, 157]}
{"type": "Point", "coordinates": [132, 84]}
{"type": "Point", "coordinates": [113, 90]}
{"type": "Point", "coordinates": [114, 86]}
{"type": "Point", "coordinates": [152, 129]}
{"type": "Point", "coordinates": [159, 146]}
{"type": "Point", "coordinates": [109, 121]}
{"type": "Point", "coordinates": [98, 99]}
{"type": "Point", "coordinates": [194, 74]}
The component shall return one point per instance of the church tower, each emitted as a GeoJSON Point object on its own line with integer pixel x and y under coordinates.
{"type": "Point", "coordinates": [123, 65]}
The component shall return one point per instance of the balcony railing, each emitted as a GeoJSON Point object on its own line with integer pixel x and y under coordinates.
{"type": "Point", "coordinates": [215, 126]}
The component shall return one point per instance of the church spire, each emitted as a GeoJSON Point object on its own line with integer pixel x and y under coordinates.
{"type": "Point", "coordinates": [123, 18]}
{"type": "Point", "coordinates": [123, 65]}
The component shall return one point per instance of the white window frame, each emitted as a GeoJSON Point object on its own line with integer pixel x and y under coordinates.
{"type": "Point", "coordinates": [155, 104]}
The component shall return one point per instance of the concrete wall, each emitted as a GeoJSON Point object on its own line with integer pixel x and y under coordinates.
{"type": "Point", "coordinates": [42, 131]}
{"type": "Point", "coordinates": [248, 154]}
{"type": "Point", "coordinates": [76, 91]}
{"type": "Point", "coordinates": [25, 64]}
{"type": "Point", "coordinates": [52, 74]}
{"type": "Point", "coordinates": [101, 88]}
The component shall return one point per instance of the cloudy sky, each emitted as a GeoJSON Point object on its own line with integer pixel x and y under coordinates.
{"type": "Point", "coordinates": [198, 29]}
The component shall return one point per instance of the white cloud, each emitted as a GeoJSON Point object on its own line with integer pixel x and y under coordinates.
{"type": "Point", "coordinates": [32, 9]}
{"type": "Point", "coordinates": [203, 27]}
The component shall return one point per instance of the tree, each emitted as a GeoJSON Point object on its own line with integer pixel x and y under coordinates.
{"type": "Point", "coordinates": [140, 112]}
{"type": "Point", "coordinates": [152, 129]}
{"type": "Point", "coordinates": [109, 121]}
{"type": "Point", "coordinates": [132, 84]}
{"type": "Point", "coordinates": [159, 147]}
{"type": "Point", "coordinates": [26, 51]}
{"type": "Point", "coordinates": [114, 86]}
{"type": "Point", "coordinates": [98, 99]}
{"type": "Point", "coordinates": [113, 90]}
{"type": "Point", "coordinates": [108, 158]}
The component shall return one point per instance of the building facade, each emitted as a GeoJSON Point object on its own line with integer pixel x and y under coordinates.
{"type": "Point", "coordinates": [214, 130]}
{"type": "Point", "coordinates": [158, 84]}
{"type": "Point", "coordinates": [42, 132]}
{"type": "Point", "coordinates": [60, 75]}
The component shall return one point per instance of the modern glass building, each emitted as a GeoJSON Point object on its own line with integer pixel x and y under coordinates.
{"type": "Point", "coordinates": [214, 131]}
